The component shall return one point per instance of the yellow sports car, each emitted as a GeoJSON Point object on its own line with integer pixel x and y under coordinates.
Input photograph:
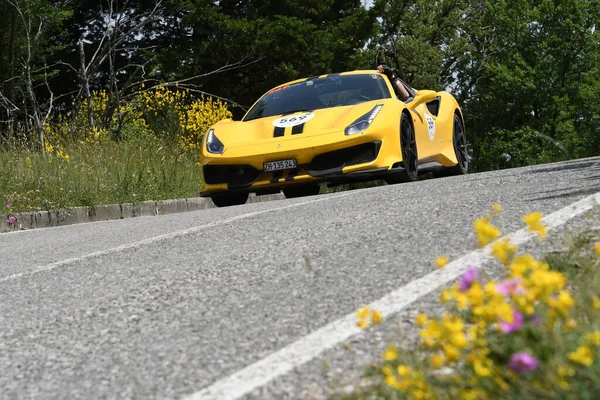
{"type": "Point", "coordinates": [329, 130]}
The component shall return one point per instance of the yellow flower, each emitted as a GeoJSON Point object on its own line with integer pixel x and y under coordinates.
{"type": "Point", "coordinates": [583, 356]}
{"type": "Point", "coordinates": [533, 218]}
{"type": "Point", "coordinates": [451, 352]}
{"type": "Point", "coordinates": [403, 370]}
{"type": "Point", "coordinates": [421, 319]}
{"type": "Point", "coordinates": [597, 249]}
{"type": "Point", "coordinates": [438, 360]}
{"type": "Point", "coordinates": [593, 338]}
{"type": "Point", "coordinates": [390, 354]}
{"type": "Point", "coordinates": [376, 317]}
{"type": "Point", "coordinates": [570, 325]}
{"type": "Point", "coordinates": [485, 231]}
{"type": "Point", "coordinates": [441, 262]}
{"type": "Point", "coordinates": [482, 367]}
{"type": "Point", "coordinates": [362, 324]}
{"type": "Point", "coordinates": [459, 340]}
{"type": "Point", "coordinates": [534, 223]}
{"type": "Point", "coordinates": [446, 296]}
{"type": "Point", "coordinates": [503, 250]}
{"type": "Point", "coordinates": [363, 312]}
{"type": "Point", "coordinates": [496, 209]}
{"type": "Point", "coordinates": [563, 303]}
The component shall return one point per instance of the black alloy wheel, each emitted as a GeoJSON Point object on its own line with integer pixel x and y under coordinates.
{"type": "Point", "coordinates": [410, 157]}
{"type": "Point", "coordinates": [229, 199]}
{"type": "Point", "coordinates": [291, 192]}
{"type": "Point", "coordinates": [459, 139]}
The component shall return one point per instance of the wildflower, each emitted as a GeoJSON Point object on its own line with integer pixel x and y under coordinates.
{"type": "Point", "coordinates": [510, 287]}
{"type": "Point", "coordinates": [11, 220]}
{"type": "Point", "coordinates": [496, 209]}
{"type": "Point", "coordinates": [503, 250]}
{"type": "Point", "coordinates": [534, 223]}
{"type": "Point", "coordinates": [363, 314]}
{"type": "Point", "coordinates": [515, 325]}
{"type": "Point", "coordinates": [468, 278]}
{"type": "Point", "coordinates": [9, 205]}
{"type": "Point", "coordinates": [597, 249]}
{"type": "Point", "coordinates": [485, 231]}
{"type": "Point", "coordinates": [390, 354]}
{"type": "Point", "coordinates": [570, 325]}
{"type": "Point", "coordinates": [441, 261]}
{"type": "Point", "coordinates": [523, 363]}
{"type": "Point", "coordinates": [403, 370]}
{"type": "Point", "coordinates": [593, 338]}
{"type": "Point", "coordinates": [438, 360]}
{"type": "Point", "coordinates": [446, 296]}
{"type": "Point", "coordinates": [583, 356]}
{"type": "Point", "coordinates": [563, 303]}
{"type": "Point", "coordinates": [376, 317]}
{"type": "Point", "coordinates": [421, 319]}
{"type": "Point", "coordinates": [482, 367]}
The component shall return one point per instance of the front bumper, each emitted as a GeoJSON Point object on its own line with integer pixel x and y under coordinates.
{"type": "Point", "coordinates": [357, 158]}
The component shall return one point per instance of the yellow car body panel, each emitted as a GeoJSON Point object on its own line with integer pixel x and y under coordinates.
{"type": "Point", "coordinates": [250, 144]}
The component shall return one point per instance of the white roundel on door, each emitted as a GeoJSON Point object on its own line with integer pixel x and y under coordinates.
{"type": "Point", "coordinates": [293, 120]}
{"type": "Point", "coordinates": [430, 126]}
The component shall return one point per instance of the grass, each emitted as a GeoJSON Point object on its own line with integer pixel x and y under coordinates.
{"type": "Point", "coordinates": [97, 173]}
{"type": "Point", "coordinates": [553, 342]}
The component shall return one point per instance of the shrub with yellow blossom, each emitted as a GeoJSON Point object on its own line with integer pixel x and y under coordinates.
{"type": "Point", "coordinates": [164, 113]}
{"type": "Point", "coordinates": [516, 337]}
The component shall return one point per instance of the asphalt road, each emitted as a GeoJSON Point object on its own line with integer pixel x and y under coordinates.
{"type": "Point", "coordinates": [162, 307]}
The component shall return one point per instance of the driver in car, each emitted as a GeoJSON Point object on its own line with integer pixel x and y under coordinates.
{"type": "Point", "coordinates": [399, 88]}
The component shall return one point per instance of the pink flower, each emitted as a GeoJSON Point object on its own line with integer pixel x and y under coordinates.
{"type": "Point", "coordinates": [523, 363]}
{"type": "Point", "coordinates": [9, 205]}
{"type": "Point", "coordinates": [466, 281]}
{"type": "Point", "coordinates": [510, 287]}
{"type": "Point", "coordinates": [516, 324]}
{"type": "Point", "coordinates": [11, 220]}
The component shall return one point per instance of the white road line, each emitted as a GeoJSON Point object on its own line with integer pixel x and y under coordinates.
{"type": "Point", "coordinates": [160, 238]}
{"type": "Point", "coordinates": [310, 346]}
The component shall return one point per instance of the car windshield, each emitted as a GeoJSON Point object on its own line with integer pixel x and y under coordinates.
{"type": "Point", "coordinates": [313, 94]}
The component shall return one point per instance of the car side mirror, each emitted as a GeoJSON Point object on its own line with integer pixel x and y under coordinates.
{"type": "Point", "coordinates": [422, 96]}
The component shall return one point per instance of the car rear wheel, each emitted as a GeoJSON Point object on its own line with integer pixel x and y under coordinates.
{"type": "Point", "coordinates": [460, 149]}
{"type": "Point", "coordinates": [229, 199]}
{"type": "Point", "coordinates": [410, 158]}
{"type": "Point", "coordinates": [301, 191]}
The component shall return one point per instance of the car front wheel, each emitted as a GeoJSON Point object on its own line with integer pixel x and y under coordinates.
{"type": "Point", "coordinates": [301, 191]}
{"type": "Point", "coordinates": [410, 158]}
{"type": "Point", "coordinates": [229, 199]}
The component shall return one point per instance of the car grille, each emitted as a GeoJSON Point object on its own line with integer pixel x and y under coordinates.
{"type": "Point", "coordinates": [232, 175]}
{"type": "Point", "coordinates": [338, 159]}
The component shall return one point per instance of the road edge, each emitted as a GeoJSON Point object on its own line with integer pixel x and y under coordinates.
{"type": "Point", "coordinates": [107, 212]}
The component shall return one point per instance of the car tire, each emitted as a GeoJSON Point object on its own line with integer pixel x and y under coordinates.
{"type": "Point", "coordinates": [292, 192]}
{"type": "Point", "coordinates": [410, 157]}
{"type": "Point", "coordinates": [229, 199]}
{"type": "Point", "coordinates": [459, 139]}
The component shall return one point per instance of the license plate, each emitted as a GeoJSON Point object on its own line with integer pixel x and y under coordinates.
{"type": "Point", "coordinates": [279, 165]}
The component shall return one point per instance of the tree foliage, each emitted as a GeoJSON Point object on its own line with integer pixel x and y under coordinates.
{"type": "Point", "coordinates": [526, 72]}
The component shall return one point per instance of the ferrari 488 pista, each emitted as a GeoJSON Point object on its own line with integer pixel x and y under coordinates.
{"type": "Point", "coordinates": [329, 130]}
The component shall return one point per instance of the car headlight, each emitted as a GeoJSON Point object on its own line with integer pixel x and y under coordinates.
{"type": "Point", "coordinates": [363, 122]}
{"type": "Point", "coordinates": [213, 144]}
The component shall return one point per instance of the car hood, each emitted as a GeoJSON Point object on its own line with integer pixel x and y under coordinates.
{"type": "Point", "coordinates": [323, 121]}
